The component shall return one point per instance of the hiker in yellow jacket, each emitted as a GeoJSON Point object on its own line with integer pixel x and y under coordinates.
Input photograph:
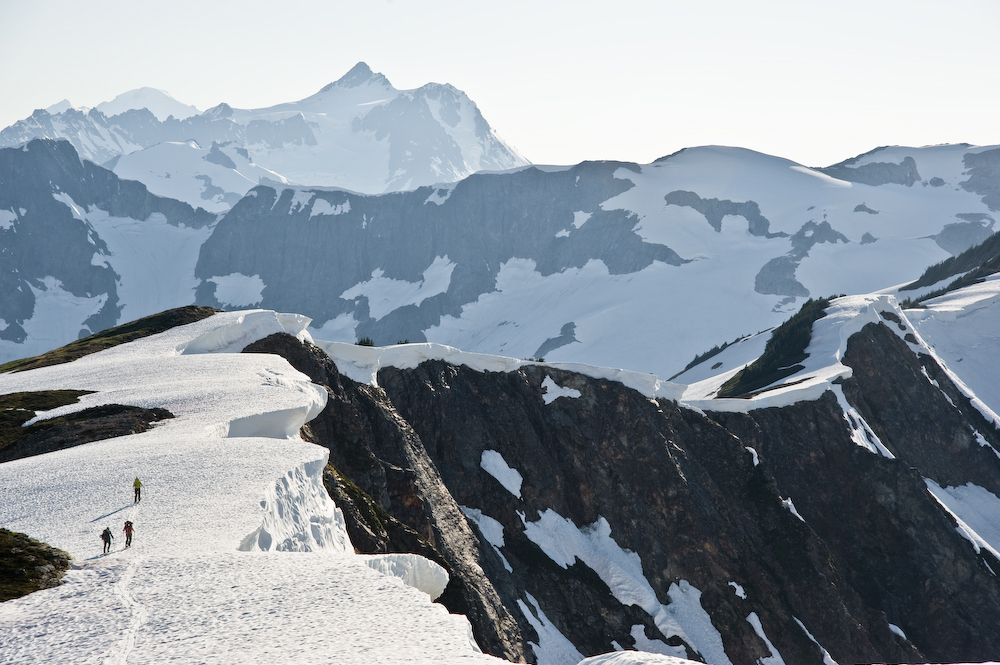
{"type": "Point", "coordinates": [138, 491]}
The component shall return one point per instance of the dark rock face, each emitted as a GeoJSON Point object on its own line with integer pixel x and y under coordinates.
{"type": "Point", "coordinates": [674, 487]}
{"type": "Point", "coordinates": [373, 447]}
{"type": "Point", "coordinates": [680, 489]}
{"type": "Point", "coordinates": [778, 275]}
{"type": "Point", "coordinates": [47, 240]}
{"type": "Point", "coordinates": [875, 173]}
{"type": "Point", "coordinates": [895, 546]}
{"type": "Point", "coordinates": [958, 237]}
{"type": "Point", "coordinates": [27, 565]}
{"type": "Point", "coordinates": [94, 424]}
{"type": "Point", "coordinates": [984, 176]}
{"type": "Point", "coordinates": [715, 209]}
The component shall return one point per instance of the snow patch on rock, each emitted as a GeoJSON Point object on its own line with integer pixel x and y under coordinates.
{"type": "Point", "coordinates": [492, 531]}
{"type": "Point", "coordinates": [554, 391]}
{"type": "Point", "coordinates": [238, 290]}
{"type": "Point", "coordinates": [553, 648]}
{"type": "Point", "coordinates": [621, 569]}
{"type": "Point", "coordinates": [494, 464]}
{"type": "Point", "coordinates": [385, 295]}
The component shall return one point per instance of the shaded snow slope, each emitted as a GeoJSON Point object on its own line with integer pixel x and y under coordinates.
{"type": "Point", "coordinates": [213, 178]}
{"type": "Point", "coordinates": [229, 473]}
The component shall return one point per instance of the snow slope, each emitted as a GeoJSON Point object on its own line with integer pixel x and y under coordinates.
{"type": "Point", "coordinates": [239, 554]}
{"type": "Point", "coordinates": [720, 295]}
{"type": "Point", "coordinates": [212, 178]}
{"type": "Point", "coordinates": [963, 329]}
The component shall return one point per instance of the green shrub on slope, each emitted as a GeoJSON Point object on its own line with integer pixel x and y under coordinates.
{"type": "Point", "coordinates": [782, 355]}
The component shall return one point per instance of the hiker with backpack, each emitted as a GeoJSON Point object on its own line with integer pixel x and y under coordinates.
{"type": "Point", "coordinates": [138, 490]}
{"type": "Point", "coordinates": [107, 538]}
{"type": "Point", "coordinates": [128, 533]}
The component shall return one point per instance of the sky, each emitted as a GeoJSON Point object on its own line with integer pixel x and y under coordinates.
{"type": "Point", "coordinates": [816, 82]}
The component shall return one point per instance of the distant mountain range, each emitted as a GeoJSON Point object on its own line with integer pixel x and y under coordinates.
{"type": "Point", "coordinates": [616, 264]}
{"type": "Point", "coordinates": [358, 133]}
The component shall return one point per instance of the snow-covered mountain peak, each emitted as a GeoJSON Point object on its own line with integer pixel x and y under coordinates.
{"type": "Point", "coordinates": [360, 74]}
{"type": "Point", "coordinates": [64, 105]}
{"type": "Point", "coordinates": [357, 133]}
{"type": "Point", "coordinates": [223, 110]}
{"type": "Point", "coordinates": [159, 103]}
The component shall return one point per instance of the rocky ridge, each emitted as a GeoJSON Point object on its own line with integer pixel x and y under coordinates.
{"type": "Point", "coordinates": [775, 515]}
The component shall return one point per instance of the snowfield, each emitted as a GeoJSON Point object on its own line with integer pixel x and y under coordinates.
{"type": "Point", "coordinates": [229, 473]}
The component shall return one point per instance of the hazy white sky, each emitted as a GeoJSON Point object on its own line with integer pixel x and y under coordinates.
{"type": "Point", "coordinates": [816, 82]}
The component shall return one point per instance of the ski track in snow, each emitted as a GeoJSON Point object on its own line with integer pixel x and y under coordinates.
{"type": "Point", "coordinates": [139, 615]}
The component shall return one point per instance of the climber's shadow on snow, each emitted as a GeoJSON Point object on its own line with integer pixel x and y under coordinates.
{"type": "Point", "coordinates": [113, 512]}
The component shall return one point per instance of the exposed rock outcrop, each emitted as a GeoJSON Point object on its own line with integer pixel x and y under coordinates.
{"type": "Point", "coordinates": [375, 450]}
{"type": "Point", "coordinates": [806, 531]}
{"type": "Point", "coordinates": [27, 565]}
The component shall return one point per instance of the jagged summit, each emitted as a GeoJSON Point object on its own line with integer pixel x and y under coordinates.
{"type": "Point", "coordinates": [359, 75]}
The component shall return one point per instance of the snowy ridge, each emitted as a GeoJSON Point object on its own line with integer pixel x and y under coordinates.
{"type": "Point", "coordinates": [358, 132]}
{"type": "Point", "coordinates": [362, 363]}
{"type": "Point", "coordinates": [961, 331]}
{"type": "Point", "coordinates": [159, 102]}
{"type": "Point", "coordinates": [844, 317]}
{"type": "Point", "coordinates": [184, 590]}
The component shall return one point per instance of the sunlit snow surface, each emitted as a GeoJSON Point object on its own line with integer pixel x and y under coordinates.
{"type": "Point", "coordinates": [228, 473]}
{"type": "Point", "coordinates": [963, 329]}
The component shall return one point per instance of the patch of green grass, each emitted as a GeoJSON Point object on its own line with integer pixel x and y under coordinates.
{"type": "Point", "coordinates": [150, 325]}
{"type": "Point", "coordinates": [27, 565]}
{"type": "Point", "coordinates": [18, 408]}
{"type": "Point", "coordinates": [782, 355]}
